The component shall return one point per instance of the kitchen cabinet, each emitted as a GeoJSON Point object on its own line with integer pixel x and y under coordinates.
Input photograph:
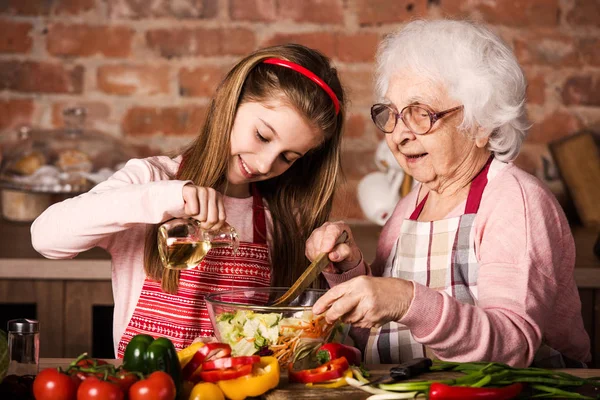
{"type": "Point", "coordinates": [67, 293]}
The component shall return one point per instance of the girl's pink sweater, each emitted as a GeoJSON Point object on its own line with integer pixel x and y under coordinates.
{"type": "Point", "coordinates": [526, 287]}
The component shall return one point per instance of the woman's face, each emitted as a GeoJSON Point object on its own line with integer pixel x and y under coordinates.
{"type": "Point", "coordinates": [266, 139]}
{"type": "Point", "coordinates": [440, 156]}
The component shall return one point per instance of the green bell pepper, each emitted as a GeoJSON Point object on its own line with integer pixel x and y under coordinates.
{"type": "Point", "coordinates": [145, 354]}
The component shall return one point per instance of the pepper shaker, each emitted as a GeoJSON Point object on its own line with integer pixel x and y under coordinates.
{"type": "Point", "coordinates": [23, 346]}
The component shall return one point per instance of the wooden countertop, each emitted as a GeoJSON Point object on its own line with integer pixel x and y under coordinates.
{"type": "Point", "coordinates": [287, 390]}
{"type": "Point", "coordinates": [18, 259]}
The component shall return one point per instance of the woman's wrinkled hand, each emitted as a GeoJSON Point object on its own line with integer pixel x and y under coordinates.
{"type": "Point", "coordinates": [344, 256]}
{"type": "Point", "coordinates": [205, 205]}
{"type": "Point", "coordinates": [366, 301]}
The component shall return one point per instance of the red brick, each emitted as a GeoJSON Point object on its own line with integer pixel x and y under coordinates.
{"type": "Point", "coordinates": [253, 10]}
{"type": "Point", "coordinates": [86, 41]}
{"type": "Point", "coordinates": [25, 7]}
{"type": "Point", "coordinates": [325, 42]}
{"type": "Point", "coordinates": [201, 81]}
{"type": "Point", "coordinates": [43, 77]}
{"type": "Point", "coordinates": [546, 47]}
{"type": "Point", "coordinates": [520, 12]}
{"type": "Point", "coordinates": [141, 121]}
{"type": "Point", "coordinates": [358, 85]}
{"type": "Point", "coordinates": [200, 42]}
{"type": "Point", "coordinates": [456, 9]}
{"type": "Point", "coordinates": [536, 87]}
{"type": "Point", "coordinates": [356, 164]}
{"type": "Point", "coordinates": [138, 9]}
{"type": "Point", "coordinates": [14, 36]}
{"type": "Point", "coordinates": [584, 12]}
{"type": "Point", "coordinates": [588, 49]}
{"type": "Point", "coordinates": [553, 126]}
{"type": "Point", "coordinates": [359, 47]}
{"type": "Point", "coordinates": [96, 113]}
{"type": "Point", "coordinates": [313, 11]}
{"type": "Point", "coordinates": [15, 112]}
{"type": "Point", "coordinates": [582, 90]}
{"type": "Point", "coordinates": [355, 126]}
{"type": "Point", "coordinates": [345, 202]}
{"type": "Point", "coordinates": [73, 7]}
{"type": "Point", "coordinates": [374, 12]}
{"type": "Point", "coordinates": [129, 79]}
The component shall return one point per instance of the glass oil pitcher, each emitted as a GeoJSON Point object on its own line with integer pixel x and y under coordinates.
{"type": "Point", "coordinates": [182, 243]}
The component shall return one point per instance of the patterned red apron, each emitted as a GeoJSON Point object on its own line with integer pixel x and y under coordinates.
{"type": "Point", "coordinates": [183, 316]}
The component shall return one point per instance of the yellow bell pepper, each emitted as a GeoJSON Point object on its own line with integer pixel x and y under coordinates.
{"type": "Point", "coordinates": [336, 383]}
{"type": "Point", "coordinates": [186, 354]}
{"type": "Point", "coordinates": [264, 376]}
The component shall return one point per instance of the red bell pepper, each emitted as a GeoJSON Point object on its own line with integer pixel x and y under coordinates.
{"type": "Point", "coordinates": [331, 351]}
{"type": "Point", "coordinates": [229, 362]}
{"type": "Point", "coordinates": [440, 391]}
{"type": "Point", "coordinates": [332, 370]}
{"type": "Point", "coordinates": [216, 375]}
{"type": "Point", "coordinates": [205, 353]}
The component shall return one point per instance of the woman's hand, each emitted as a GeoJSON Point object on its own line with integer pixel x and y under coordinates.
{"type": "Point", "coordinates": [366, 301]}
{"type": "Point", "coordinates": [345, 256]}
{"type": "Point", "coordinates": [205, 205]}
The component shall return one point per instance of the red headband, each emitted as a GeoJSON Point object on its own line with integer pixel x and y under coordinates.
{"type": "Point", "coordinates": [308, 74]}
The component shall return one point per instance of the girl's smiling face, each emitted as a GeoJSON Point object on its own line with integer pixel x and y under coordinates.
{"type": "Point", "coordinates": [266, 139]}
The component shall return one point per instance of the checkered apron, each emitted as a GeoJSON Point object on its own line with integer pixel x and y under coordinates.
{"type": "Point", "coordinates": [437, 254]}
{"type": "Point", "coordinates": [440, 255]}
{"type": "Point", "coordinates": [183, 316]}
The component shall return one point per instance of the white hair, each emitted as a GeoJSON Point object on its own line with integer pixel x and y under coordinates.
{"type": "Point", "coordinates": [475, 66]}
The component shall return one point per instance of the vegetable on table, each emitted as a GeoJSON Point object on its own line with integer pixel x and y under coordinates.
{"type": "Point", "coordinates": [206, 391]}
{"type": "Point", "coordinates": [205, 353]}
{"type": "Point", "coordinates": [157, 386]}
{"type": "Point", "coordinates": [146, 355]}
{"type": "Point", "coordinates": [331, 370]}
{"type": "Point", "coordinates": [331, 351]}
{"type": "Point", "coordinates": [264, 376]}
{"type": "Point", "coordinates": [439, 391]}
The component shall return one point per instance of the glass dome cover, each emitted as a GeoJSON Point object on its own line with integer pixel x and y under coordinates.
{"type": "Point", "coordinates": [70, 160]}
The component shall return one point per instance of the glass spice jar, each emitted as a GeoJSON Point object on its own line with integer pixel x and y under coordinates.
{"type": "Point", "coordinates": [23, 346]}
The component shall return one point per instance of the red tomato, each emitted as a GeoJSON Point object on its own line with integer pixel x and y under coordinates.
{"type": "Point", "coordinates": [95, 389]}
{"type": "Point", "coordinates": [229, 362]}
{"type": "Point", "coordinates": [89, 362]}
{"type": "Point", "coordinates": [225, 374]}
{"type": "Point", "coordinates": [124, 380]}
{"type": "Point", "coordinates": [53, 385]}
{"type": "Point", "coordinates": [158, 386]}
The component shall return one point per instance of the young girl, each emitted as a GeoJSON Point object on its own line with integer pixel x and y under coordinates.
{"type": "Point", "coordinates": [267, 160]}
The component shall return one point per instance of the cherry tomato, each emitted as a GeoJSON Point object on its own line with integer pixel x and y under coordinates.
{"type": "Point", "coordinates": [206, 391]}
{"type": "Point", "coordinates": [124, 380]}
{"type": "Point", "coordinates": [89, 362]}
{"type": "Point", "coordinates": [53, 385]}
{"type": "Point", "coordinates": [225, 374]}
{"type": "Point", "coordinates": [229, 362]}
{"type": "Point", "coordinates": [158, 386]}
{"type": "Point", "coordinates": [95, 389]}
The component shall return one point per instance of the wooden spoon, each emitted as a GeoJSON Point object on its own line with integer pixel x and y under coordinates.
{"type": "Point", "coordinates": [310, 274]}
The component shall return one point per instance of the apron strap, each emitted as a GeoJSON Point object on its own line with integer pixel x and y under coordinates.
{"type": "Point", "coordinates": [258, 217]}
{"type": "Point", "coordinates": [474, 197]}
{"type": "Point", "coordinates": [477, 187]}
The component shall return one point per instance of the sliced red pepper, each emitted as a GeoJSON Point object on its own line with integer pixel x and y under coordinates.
{"type": "Point", "coordinates": [331, 370]}
{"type": "Point", "coordinates": [224, 374]}
{"type": "Point", "coordinates": [229, 362]}
{"type": "Point", "coordinates": [331, 351]}
{"type": "Point", "coordinates": [205, 353]}
{"type": "Point", "coordinates": [440, 391]}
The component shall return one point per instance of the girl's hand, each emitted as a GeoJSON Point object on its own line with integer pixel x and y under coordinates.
{"type": "Point", "coordinates": [366, 301]}
{"type": "Point", "coordinates": [205, 205]}
{"type": "Point", "coordinates": [344, 256]}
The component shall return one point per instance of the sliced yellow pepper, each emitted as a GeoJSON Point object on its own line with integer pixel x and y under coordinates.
{"type": "Point", "coordinates": [186, 354]}
{"type": "Point", "coordinates": [264, 376]}
{"type": "Point", "coordinates": [336, 383]}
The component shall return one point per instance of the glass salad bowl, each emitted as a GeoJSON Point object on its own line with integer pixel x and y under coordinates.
{"type": "Point", "coordinates": [244, 319]}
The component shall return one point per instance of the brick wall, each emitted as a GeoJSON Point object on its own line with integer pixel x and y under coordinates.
{"type": "Point", "coordinates": [145, 69]}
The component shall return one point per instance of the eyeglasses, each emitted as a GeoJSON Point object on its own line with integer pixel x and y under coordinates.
{"type": "Point", "coordinates": [417, 119]}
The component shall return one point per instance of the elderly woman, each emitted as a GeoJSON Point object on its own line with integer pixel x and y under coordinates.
{"type": "Point", "coordinates": [476, 263]}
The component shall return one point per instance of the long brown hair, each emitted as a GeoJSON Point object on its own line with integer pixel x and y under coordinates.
{"type": "Point", "coordinates": [300, 199]}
